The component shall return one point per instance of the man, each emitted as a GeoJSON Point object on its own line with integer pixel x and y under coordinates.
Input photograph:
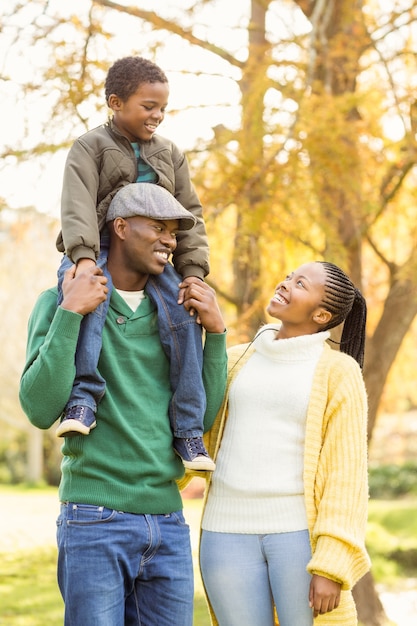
{"type": "Point", "coordinates": [124, 555]}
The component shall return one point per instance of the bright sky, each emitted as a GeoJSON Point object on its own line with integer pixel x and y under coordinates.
{"type": "Point", "coordinates": [210, 99]}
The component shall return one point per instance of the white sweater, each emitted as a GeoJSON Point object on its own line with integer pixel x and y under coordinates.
{"type": "Point", "coordinates": [257, 486]}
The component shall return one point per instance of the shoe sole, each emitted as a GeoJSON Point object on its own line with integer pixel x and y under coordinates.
{"type": "Point", "coordinates": [200, 466]}
{"type": "Point", "coordinates": [72, 428]}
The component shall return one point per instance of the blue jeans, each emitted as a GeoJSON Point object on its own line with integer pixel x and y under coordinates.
{"type": "Point", "coordinates": [246, 575]}
{"type": "Point", "coordinates": [121, 569]}
{"type": "Point", "coordinates": [180, 337]}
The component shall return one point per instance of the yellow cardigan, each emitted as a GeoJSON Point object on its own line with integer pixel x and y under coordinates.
{"type": "Point", "coordinates": [335, 472]}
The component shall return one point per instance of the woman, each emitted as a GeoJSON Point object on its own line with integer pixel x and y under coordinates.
{"type": "Point", "coordinates": [284, 522]}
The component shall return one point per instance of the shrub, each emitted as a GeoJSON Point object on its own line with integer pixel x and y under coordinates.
{"type": "Point", "coordinates": [393, 481]}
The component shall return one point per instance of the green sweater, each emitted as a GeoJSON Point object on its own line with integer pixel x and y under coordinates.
{"type": "Point", "coordinates": [127, 462]}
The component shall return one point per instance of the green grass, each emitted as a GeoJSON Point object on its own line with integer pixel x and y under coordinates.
{"type": "Point", "coordinates": [28, 591]}
{"type": "Point", "coordinates": [392, 539]}
{"type": "Point", "coordinates": [29, 594]}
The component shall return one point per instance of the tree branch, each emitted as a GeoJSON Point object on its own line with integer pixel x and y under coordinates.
{"type": "Point", "coordinates": [161, 23]}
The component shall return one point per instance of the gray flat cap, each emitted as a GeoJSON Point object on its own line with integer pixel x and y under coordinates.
{"type": "Point", "coordinates": [149, 200]}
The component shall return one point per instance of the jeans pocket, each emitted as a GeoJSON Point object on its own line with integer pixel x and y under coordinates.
{"type": "Point", "coordinates": [179, 518]}
{"type": "Point", "coordinates": [88, 514]}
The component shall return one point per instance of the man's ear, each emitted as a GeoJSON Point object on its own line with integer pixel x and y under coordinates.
{"type": "Point", "coordinates": [119, 227]}
{"type": "Point", "coordinates": [114, 102]}
{"type": "Point", "coordinates": [322, 316]}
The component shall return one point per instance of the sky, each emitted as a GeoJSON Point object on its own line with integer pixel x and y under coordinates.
{"type": "Point", "coordinates": [207, 99]}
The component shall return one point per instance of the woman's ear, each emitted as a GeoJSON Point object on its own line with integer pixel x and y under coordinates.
{"type": "Point", "coordinates": [322, 316]}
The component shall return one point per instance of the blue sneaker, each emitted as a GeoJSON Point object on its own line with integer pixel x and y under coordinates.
{"type": "Point", "coordinates": [78, 420]}
{"type": "Point", "coordinates": [194, 454]}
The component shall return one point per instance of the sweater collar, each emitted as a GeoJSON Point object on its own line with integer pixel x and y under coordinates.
{"type": "Point", "coordinates": [300, 348]}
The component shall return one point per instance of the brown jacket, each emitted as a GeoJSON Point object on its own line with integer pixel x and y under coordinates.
{"type": "Point", "coordinates": [102, 161]}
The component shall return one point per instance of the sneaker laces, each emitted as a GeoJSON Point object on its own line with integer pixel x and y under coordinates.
{"type": "Point", "coordinates": [75, 412]}
{"type": "Point", "coordinates": [195, 446]}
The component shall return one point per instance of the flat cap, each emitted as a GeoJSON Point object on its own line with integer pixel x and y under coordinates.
{"type": "Point", "coordinates": [149, 200]}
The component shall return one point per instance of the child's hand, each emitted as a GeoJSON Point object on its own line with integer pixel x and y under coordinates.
{"type": "Point", "coordinates": [182, 292]}
{"type": "Point", "coordinates": [84, 293]}
{"type": "Point", "coordinates": [183, 288]}
{"type": "Point", "coordinates": [84, 264]}
{"type": "Point", "coordinates": [324, 595]}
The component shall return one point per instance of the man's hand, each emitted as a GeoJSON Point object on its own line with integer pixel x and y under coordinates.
{"type": "Point", "coordinates": [324, 595]}
{"type": "Point", "coordinates": [85, 291]}
{"type": "Point", "coordinates": [200, 297]}
{"type": "Point", "coordinates": [182, 295]}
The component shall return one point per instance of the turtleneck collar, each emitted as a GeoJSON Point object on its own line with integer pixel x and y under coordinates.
{"type": "Point", "coordinates": [299, 348]}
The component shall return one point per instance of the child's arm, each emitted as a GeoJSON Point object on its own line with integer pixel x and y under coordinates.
{"type": "Point", "coordinates": [191, 257]}
{"type": "Point", "coordinates": [80, 230]}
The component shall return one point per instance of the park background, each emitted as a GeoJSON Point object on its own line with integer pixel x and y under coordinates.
{"type": "Point", "coordinates": [299, 119]}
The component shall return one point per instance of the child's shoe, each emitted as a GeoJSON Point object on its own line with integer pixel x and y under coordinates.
{"type": "Point", "coordinates": [78, 420]}
{"type": "Point", "coordinates": [194, 454]}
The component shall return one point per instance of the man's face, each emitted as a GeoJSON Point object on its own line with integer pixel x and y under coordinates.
{"type": "Point", "coordinates": [139, 116]}
{"type": "Point", "coordinates": [148, 244]}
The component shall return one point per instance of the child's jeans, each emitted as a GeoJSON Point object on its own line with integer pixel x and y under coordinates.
{"type": "Point", "coordinates": [180, 337]}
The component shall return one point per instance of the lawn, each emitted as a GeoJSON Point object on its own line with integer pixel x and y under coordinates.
{"type": "Point", "coordinates": [29, 594]}
{"type": "Point", "coordinates": [392, 539]}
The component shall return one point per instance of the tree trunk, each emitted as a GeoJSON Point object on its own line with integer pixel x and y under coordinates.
{"type": "Point", "coordinates": [369, 606]}
{"type": "Point", "coordinates": [400, 309]}
{"type": "Point", "coordinates": [34, 466]}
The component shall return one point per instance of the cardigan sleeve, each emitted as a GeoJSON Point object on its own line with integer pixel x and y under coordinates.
{"type": "Point", "coordinates": [341, 478]}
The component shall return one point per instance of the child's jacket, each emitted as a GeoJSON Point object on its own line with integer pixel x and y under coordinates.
{"type": "Point", "coordinates": [102, 161]}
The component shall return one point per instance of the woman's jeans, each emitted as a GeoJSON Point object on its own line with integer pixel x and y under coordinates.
{"type": "Point", "coordinates": [246, 575]}
{"type": "Point", "coordinates": [180, 337]}
{"type": "Point", "coordinates": [121, 569]}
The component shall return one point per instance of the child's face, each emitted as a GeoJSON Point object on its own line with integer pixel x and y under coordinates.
{"type": "Point", "coordinates": [139, 116]}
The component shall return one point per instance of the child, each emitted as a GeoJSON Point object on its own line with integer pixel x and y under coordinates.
{"type": "Point", "coordinates": [286, 508]}
{"type": "Point", "coordinates": [126, 150]}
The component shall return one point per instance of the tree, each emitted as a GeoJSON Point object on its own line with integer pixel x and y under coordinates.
{"type": "Point", "coordinates": [309, 171]}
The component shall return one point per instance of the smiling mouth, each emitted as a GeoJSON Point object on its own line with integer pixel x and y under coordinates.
{"type": "Point", "coordinates": [162, 255]}
{"type": "Point", "coordinates": [279, 298]}
{"type": "Point", "coordinates": [151, 127]}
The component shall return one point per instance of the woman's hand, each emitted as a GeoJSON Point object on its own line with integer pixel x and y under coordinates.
{"type": "Point", "coordinates": [324, 595]}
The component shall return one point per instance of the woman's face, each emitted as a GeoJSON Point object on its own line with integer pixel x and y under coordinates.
{"type": "Point", "coordinates": [297, 301]}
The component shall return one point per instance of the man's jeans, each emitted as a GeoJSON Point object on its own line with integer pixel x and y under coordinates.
{"type": "Point", "coordinates": [180, 337]}
{"type": "Point", "coordinates": [121, 569]}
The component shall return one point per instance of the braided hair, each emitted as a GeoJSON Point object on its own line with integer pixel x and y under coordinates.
{"type": "Point", "coordinates": [125, 76]}
{"type": "Point", "coordinates": [347, 304]}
